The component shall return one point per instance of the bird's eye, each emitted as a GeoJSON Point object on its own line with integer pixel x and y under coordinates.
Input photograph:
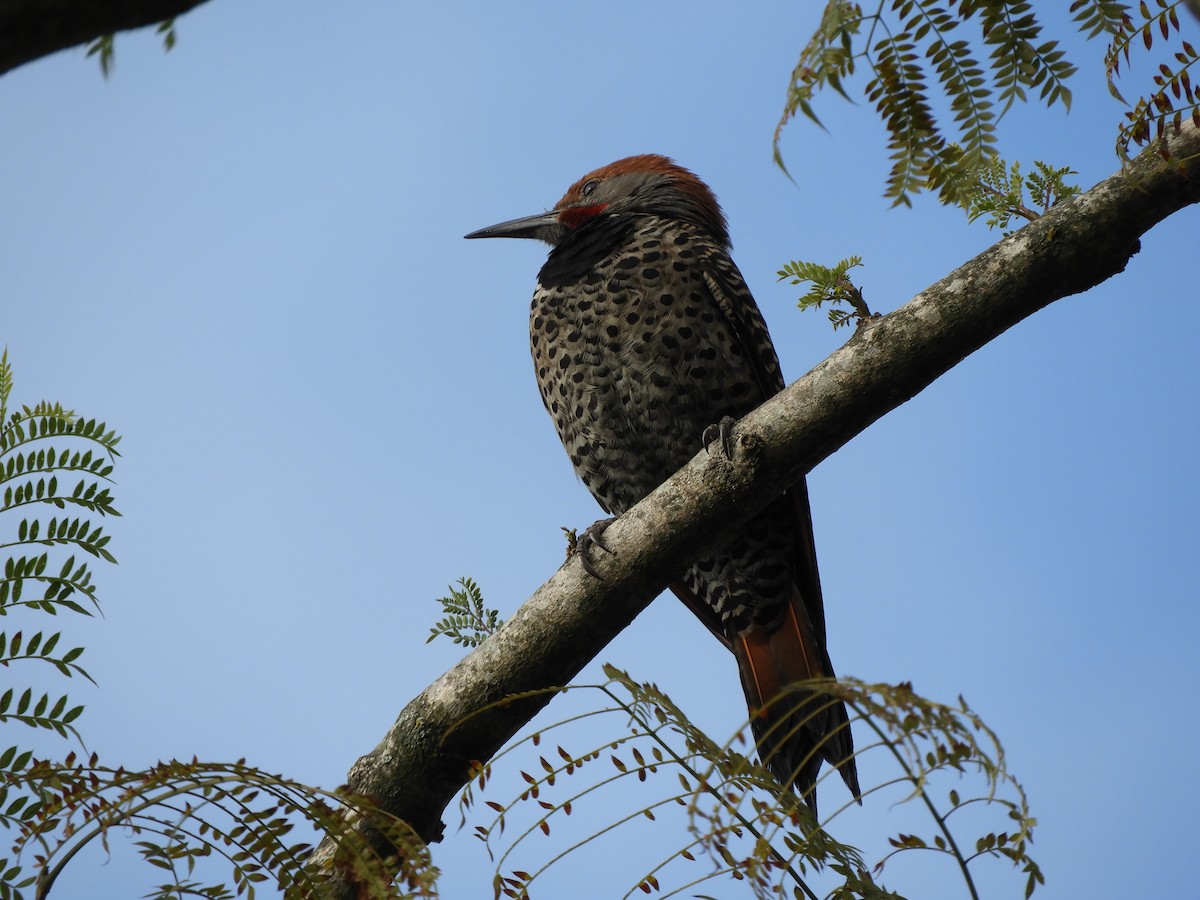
{"type": "Point", "coordinates": [587, 189]}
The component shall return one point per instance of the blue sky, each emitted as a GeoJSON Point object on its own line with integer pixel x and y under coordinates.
{"type": "Point", "coordinates": [247, 257]}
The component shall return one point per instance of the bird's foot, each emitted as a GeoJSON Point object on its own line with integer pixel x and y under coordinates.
{"type": "Point", "coordinates": [581, 545]}
{"type": "Point", "coordinates": [722, 432]}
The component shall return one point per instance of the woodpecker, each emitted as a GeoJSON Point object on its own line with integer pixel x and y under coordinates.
{"type": "Point", "coordinates": [644, 336]}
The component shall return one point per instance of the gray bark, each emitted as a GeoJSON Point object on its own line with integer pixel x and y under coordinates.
{"type": "Point", "coordinates": [424, 759]}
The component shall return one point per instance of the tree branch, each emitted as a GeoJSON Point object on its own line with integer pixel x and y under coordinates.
{"type": "Point", "coordinates": [424, 759]}
{"type": "Point", "coordinates": [30, 29]}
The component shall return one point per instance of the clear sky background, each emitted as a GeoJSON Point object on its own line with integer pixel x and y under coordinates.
{"type": "Point", "coordinates": [246, 256]}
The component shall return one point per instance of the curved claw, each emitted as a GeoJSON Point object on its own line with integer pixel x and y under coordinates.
{"type": "Point", "coordinates": [591, 537]}
{"type": "Point", "coordinates": [723, 432]}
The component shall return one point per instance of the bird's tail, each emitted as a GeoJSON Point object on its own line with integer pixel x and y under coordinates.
{"type": "Point", "coordinates": [795, 729]}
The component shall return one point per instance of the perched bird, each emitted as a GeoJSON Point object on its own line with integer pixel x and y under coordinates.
{"type": "Point", "coordinates": [644, 336]}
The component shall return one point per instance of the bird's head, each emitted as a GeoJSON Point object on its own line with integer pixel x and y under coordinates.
{"type": "Point", "coordinates": [638, 185]}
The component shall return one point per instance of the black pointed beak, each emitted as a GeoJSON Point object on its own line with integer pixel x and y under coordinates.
{"type": "Point", "coordinates": [543, 227]}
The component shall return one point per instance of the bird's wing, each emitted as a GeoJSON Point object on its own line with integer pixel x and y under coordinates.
{"type": "Point", "coordinates": [794, 730]}
{"type": "Point", "coordinates": [735, 301]}
{"type": "Point", "coordinates": [733, 298]}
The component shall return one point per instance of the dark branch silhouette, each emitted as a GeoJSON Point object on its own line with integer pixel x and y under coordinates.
{"type": "Point", "coordinates": [30, 29]}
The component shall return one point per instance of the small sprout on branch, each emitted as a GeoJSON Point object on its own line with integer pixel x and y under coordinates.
{"type": "Point", "coordinates": [830, 284]}
{"type": "Point", "coordinates": [999, 192]}
{"type": "Point", "coordinates": [467, 621]}
{"type": "Point", "coordinates": [572, 540]}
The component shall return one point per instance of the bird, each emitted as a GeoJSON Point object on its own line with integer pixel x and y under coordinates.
{"type": "Point", "coordinates": [644, 336]}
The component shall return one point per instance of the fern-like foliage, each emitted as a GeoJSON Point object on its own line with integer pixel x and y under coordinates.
{"type": "Point", "coordinates": [51, 462]}
{"type": "Point", "coordinates": [924, 56]}
{"type": "Point", "coordinates": [49, 457]}
{"type": "Point", "coordinates": [183, 813]}
{"type": "Point", "coordinates": [739, 825]}
{"type": "Point", "coordinates": [1000, 192]}
{"type": "Point", "coordinates": [1173, 98]}
{"type": "Point", "coordinates": [942, 73]}
{"type": "Point", "coordinates": [187, 813]}
{"type": "Point", "coordinates": [832, 285]}
{"type": "Point", "coordinates": [467, 620]}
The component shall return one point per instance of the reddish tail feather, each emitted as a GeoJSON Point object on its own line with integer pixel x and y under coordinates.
{"type": "Point", "coordinates": [796, 730]}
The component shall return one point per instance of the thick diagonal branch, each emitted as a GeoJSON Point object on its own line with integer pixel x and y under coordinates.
{"type": "Point", "coordinates": [423, 760]}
